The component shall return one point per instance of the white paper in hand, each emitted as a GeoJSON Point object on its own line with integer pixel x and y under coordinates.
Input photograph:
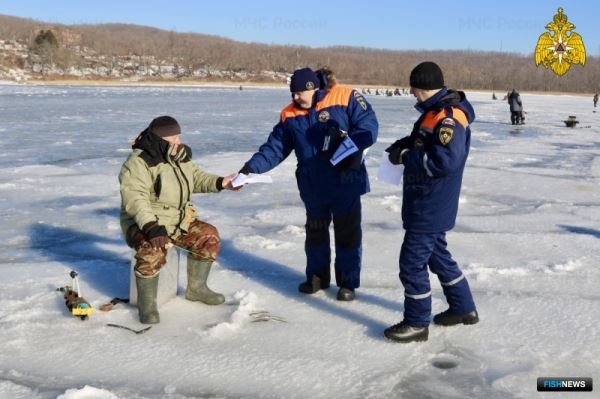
{"type": "Point", "coordinates": [250, 178]}
{"type": "Point", "coordinates": [388, 172]}
{"type": "Point", "coordinates": [346, 148]}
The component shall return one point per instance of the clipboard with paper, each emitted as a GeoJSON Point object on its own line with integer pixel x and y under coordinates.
{"type": "Point", "coordinates": [346, 148]}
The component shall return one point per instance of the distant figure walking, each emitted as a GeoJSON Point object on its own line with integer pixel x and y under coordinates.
{"type": "Point", "coordinates": [595, 100]}
{"type": "Point", "coordinates": [516, 107]}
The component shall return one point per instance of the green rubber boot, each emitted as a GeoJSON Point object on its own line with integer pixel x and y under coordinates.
{"type": "Point", "coordinates": [146, 299]}
{"type": "Point", "coordinates": [197, 273]}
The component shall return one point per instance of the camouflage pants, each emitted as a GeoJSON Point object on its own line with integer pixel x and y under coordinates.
{"type": "Point", "coordinates": [202, 239]}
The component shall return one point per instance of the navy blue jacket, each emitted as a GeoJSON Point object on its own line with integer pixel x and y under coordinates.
{"type": "Point", "coordinates": [433, 167]}
{"type": "Point", "coordinates": [304, 132]}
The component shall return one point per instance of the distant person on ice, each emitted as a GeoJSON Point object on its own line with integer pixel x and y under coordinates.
{"type": "Point", "coordinates": [595, 100]}
{"type": "Point", "coordinates": [322, 118]}
{"type": "Point", "coordinates": [516, 107]}
{"type": "Point", "coordinates": [156, 183]}
{"type": "Point", "coordinates": [434, 157]}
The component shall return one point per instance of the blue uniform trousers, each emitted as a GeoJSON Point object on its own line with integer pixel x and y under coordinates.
{"type": "Point", "coordinates": [346, 215]}
{"type": "Point", "coordinates": [418, 251]}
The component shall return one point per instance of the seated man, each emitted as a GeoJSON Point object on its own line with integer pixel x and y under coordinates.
{"type": "Point", "coordinates": [156, 183]}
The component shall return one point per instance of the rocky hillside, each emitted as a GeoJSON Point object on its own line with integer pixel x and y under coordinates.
{"type": "Point", "coordinates": [139, 53]}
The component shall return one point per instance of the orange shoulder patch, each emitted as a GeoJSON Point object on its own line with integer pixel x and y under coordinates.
{"type": "Point", "coordinates": [460, 116]}
{"type": "Point", "coordinates": [339, 95]}
{"type": "Point", "coordinates": [291, 111]}
{"type": "Point", "coordinates": [432, 119]}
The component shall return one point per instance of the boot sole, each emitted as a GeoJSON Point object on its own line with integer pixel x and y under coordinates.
{"type": "Point", "coordinates": [150, 320]}
{"type": "Point", "coordinates": [467, 322]}
{"type": "Point", "coordinates": [309, 292]}
{"type": "Point", "coordinates": [220, 301]}
{"type": "Point", "coordinates": [407, 341]}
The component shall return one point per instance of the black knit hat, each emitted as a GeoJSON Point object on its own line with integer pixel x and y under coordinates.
{"type": "Point", "coordinates": [304, 79]}
{"type": "Point", "coordinates": [165, 126]}
{"type": "Point", "coordinates": [427, 76]}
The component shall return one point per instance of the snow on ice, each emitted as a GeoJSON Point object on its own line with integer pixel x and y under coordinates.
{"type": "Point", "coordinates": [526, 237]}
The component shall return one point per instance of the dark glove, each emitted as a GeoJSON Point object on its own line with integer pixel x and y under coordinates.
{"type": "Point", "coordinates": [404, 143]}
{"type": "Point", "coordinates": [246, 170]}
{"type": "Point", "coordinates": [395, 156]}
{"type": "Point", "coordinates": [156, 234]}
{"type": "Point", "coordinates": [331, 142]}
{"type": "Point", "coordinates": [134, 237]}
{"type": "Point", "coordinates": [395, 150]}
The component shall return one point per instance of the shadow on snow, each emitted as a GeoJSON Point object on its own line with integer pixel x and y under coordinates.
{"type": "Point", "coordinates": [284, 280]}
{"type": "Point", "coordinates": [101, 269]}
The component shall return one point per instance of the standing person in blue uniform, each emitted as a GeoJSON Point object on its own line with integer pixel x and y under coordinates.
{"type": "Point", "coordinates": [434, 157]}
{"type": "Point", "coordinates": [323, 117]}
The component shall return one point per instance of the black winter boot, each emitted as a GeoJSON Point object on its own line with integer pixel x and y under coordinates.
{"type": "Point", "coordinates": [315, 284]}
{"type": "Point", "coordinates": [147, 289]}
{"type": "Point", "coordinates": [402, 332]}
{"type": "Point", "coordinates": [197, 273]}
{"type": "Point", "coordinates": [449, 318]}
{"type": "Point", "coordinates": [346, 294]}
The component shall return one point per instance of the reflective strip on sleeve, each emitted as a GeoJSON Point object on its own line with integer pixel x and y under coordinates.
{"type": "Point", "coordinates": [419, 296]}
{"type": "Point", "coordinates": [426, 167]}
{"type": "Point", "coordinates": [456, 280]}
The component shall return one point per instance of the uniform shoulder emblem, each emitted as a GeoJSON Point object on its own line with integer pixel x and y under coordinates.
{"type": "Point", "coordinates": [360, 100]}
{"type": "Point", "coordinates": [447, 130]}
{"type": "Point", "coordinates": [448, 121]}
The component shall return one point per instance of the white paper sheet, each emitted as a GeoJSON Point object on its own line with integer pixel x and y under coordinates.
{"type": "Point", "coordinates": [250, 178]}
{"type": "Point", "coordinates": [388, 172]}
{"type": "Point", "coordinates": [346, 148]}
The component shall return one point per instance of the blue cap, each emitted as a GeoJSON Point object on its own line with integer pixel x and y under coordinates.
{"type": "Point", "coordinates": [304, 79]}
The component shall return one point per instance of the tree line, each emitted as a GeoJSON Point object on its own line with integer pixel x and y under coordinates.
{"type": "Point", "coordinates": [497, 71]}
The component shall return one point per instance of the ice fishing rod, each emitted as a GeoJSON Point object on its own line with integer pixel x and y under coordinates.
{"type": "Point", "coordinates": [169, 245]}
{"type": "Point", "coordinates": [137, 332]}
{"type": "Point", "coordinates": [74, 301]}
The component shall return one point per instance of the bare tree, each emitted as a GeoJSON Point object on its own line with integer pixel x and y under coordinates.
{"type": "Point", "coordinates": [355, 65]}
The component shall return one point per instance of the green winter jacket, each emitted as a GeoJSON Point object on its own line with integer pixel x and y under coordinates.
{"type": "Point", "coordinates": [157, 187]}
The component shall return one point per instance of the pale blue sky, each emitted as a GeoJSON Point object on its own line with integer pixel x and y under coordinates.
{"type": "Point", "coordinates": [506, 25]}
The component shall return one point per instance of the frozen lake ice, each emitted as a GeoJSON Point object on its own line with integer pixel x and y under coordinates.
{"type": "Point", "coordinates": [526, 237]}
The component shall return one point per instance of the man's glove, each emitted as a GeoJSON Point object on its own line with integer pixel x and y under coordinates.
{"type": "Point", "coordinates": [156, 234]}
{"type": "Point", "coordinates": [134, 237]}
{"type": "Point", "coordinates": [396, 149]}
{"type": "Point", "coordinates": [404, 143]}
